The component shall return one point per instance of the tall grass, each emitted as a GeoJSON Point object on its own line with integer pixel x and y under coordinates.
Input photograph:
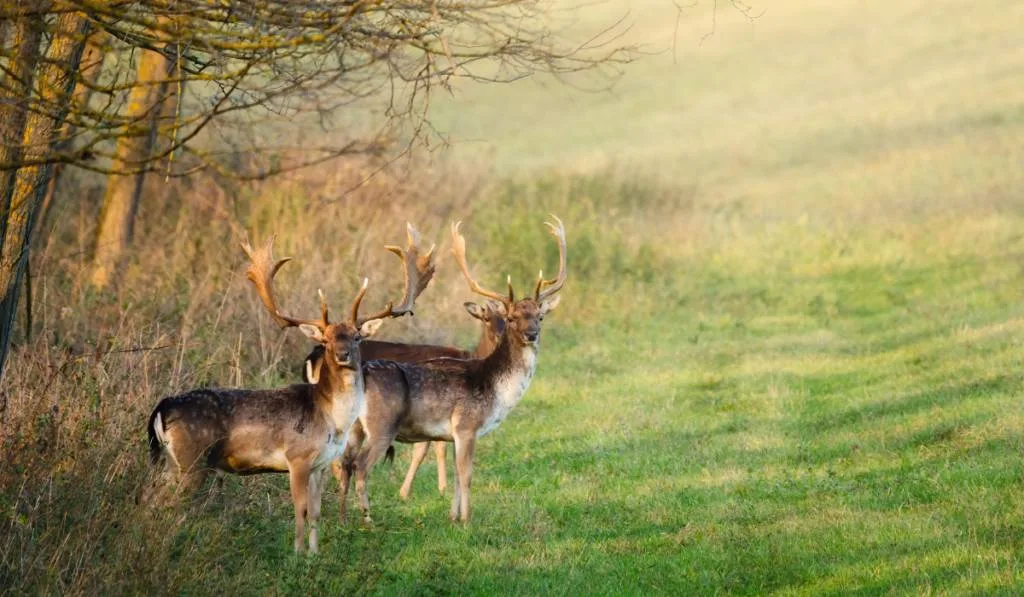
{"type": "Point", "coordinates": [725, 402]}
{"type": "Point", "coordinates": [78, 391]}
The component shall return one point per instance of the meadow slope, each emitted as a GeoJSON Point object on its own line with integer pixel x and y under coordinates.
{"type": "Point", "coordinates": [788, 359]}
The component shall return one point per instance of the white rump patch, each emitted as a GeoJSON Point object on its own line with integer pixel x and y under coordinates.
{"type": "Point", "coordinates": [158, 428]}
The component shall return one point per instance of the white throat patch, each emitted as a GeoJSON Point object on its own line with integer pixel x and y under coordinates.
{"type": "Point", "coordinates": [509, 389]}
{"type": "Point", "coordinates": [347, 402]}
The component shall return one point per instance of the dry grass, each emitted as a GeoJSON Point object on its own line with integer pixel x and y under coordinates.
{"type": "Point", "coordinates": [181, 315]}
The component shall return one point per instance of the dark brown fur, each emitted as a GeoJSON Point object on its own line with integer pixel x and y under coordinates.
{"type": "Point", "coordinates": [392, 351]}
{"type": "Point", "coordinates": [492, 325]}
{"type": "Point", "coordinates": [300, 429]}
{"type": "Point", "coordinates": [451, 399]}
{"type": "Point", "coordinates": [444, 399]}
{"type": "Point", "coordinates": [217, 415]}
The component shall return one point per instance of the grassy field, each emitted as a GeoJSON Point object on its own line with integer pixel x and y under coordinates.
{"type": "Point", "coordinates": [788, 360]}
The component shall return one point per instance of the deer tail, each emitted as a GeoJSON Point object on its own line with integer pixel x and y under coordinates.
{"type": "Point", "coordinates": [156, 436]}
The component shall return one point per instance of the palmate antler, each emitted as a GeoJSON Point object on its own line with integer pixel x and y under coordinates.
{"type": "Point", "coordinates": [261, 271]}
{"type": "Point", "coordinates": [418, 271]}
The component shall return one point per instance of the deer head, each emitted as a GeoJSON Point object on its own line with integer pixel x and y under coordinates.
{"type": "Point", "coordinates": [341, 339]}
{"type": "Point", "coordinates": [492, 315]}
{"type": "Point", "coordinates": [523, 317]}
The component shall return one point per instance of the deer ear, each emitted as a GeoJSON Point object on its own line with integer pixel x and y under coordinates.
{"type": "Point", "coordinates": [474, 310]}
{"type": "Point", "coordinates": [549, 304]}
{"type": "Point", "coordinates": [370, 327]}
{"type": "Point", "coordinates": [497, 307]}
{"type": "Point", "coordinates": [312, 332]}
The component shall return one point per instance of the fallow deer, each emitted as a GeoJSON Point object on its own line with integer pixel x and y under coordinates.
{"type": "Point", "coordinates": [448, 399]}
{"type": "Point", "coordinates": [298, 429]}
{"type": "Point", "coordinates": [491, 328]}
{"type": "Point", "coordinates": [492, 324]}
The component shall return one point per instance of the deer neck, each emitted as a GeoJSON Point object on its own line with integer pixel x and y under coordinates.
{"type": "Point", "coordinates": [339, 392]}
{"type": "Point", "coordinates": [485, 345]}
{"type": "Point", "coordinates": [510, 369]}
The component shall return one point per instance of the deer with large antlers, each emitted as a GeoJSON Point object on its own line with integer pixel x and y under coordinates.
{"type": "Point", "coordinates": [492, 325]}
{"type": "Point", "coordinates": [299, 429]}
{"type": "Point", "coordinates": [451, 400]}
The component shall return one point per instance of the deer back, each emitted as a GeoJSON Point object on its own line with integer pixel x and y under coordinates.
{"type": "Point", "coordinates": [392, 351]}
{"type": "Point", "coordinates": [240, 431]}
{"type": "Point", "coordinates": [422, 401]}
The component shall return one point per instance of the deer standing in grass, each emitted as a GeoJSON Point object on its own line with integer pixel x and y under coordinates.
{"type": "Point", "coordinates": [300, 429]}
{"type": "Point", "coordinates": [451, 400]}
{"type": "Point", "coordinates": [492, 324]}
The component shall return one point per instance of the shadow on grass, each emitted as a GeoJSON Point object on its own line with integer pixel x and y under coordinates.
{"type": "Point", "coordinates": [907, 403]}
{"type": "Point", "coordinates": [648, 521]}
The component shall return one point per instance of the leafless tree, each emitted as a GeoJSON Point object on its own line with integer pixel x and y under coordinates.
{"type": "Point", "coordinates": [230, 65]}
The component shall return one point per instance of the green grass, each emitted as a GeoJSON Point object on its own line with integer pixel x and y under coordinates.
{"type": "Point", "coordinates": [749, 437]}
{"type": "Point", "coordinates": [843, 420]}
{"type": "Point", "coordinates": [788, 359]}
{"type": "Point", "coordinates": [880, 108]}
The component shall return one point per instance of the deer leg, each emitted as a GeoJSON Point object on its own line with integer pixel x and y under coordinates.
{"type": "Point", "coordinates": [189, 468]}
{"type": "Point", "coordinates": [160, 490]}
{"type": "Point", "coordinates": [465, 442]}
{"type": "Point", "coordinates": [190, 481]}
{"type": "Point", "coordinates": [344, 466]}
{"type": "Point", "coordinates": [298, 478]}
{"type": "Point", "coordinates": [316, 491]}
{"type": "Point", "coordinates": [419, 453]}
{"type": "Point", "coordinates": [453, 514]}
{"type": "Point", "coordinates": [442, 466]}
{"type": "Point", "coordinates": [369, 456]}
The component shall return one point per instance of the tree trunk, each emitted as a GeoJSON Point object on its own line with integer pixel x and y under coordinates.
{"type": "Point", "coordinates": [89, 73]}
{"type": "Point", "coordinates": [120, 203]}
{"type": "Point", "coordinates": [56, 81]}
{"type": "Point", "coordinates": [14, 99]}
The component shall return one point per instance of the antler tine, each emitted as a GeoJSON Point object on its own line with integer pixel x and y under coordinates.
{"type": "Point", "coordinates": [261, 271]}
{"type": "Point", "coordinates": [459, 251]}
{"type": "Point", "coordinates": [418, 271]}
{"type": "Point", "coordinates": [554, 284]}
{"type": "Point", "coordinates": [423, 264]}
{"type": "Point", "coordinates": [323, 306]}
{"type": "Point", "coordinates": [354, 318]}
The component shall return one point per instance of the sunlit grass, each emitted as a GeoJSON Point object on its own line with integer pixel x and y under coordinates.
{"type": "Point", "coordinates": [788, 359]}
